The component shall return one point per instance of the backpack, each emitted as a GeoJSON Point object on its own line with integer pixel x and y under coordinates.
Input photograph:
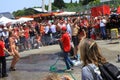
{"type": "Point", "coordinates": [109, 71]}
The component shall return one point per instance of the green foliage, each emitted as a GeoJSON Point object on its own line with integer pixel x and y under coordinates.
{"type": "Point", "coordinates": [54, 8]}
{"type": "Point", "coordinates": [73, 6]}
{"type": "Point", "coordinates": [18, 13]}
{"type": "Point", "coordinates": [46, 7]}
{"type": "Point", "coordinates": [80, 1]}
{"type": "Point", "coordinates": [85, 2]}
{"type": "Point", "coordinates": [25, 12]}
{"type": "Point", "coordinates": [59, 4]}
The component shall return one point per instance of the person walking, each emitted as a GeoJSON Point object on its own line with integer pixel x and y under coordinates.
{"type": "Point", "coordinates": [13, 49]}
{"type": "Point", "coordinates": [3, 71]}
{"type": "Point", "coordinates": [66, 46]}
{"type": "Point", "coordinates": [90, 56]}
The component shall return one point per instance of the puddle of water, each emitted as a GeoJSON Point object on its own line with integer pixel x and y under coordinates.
{"type": "Point", "coordinates": [35, 58]}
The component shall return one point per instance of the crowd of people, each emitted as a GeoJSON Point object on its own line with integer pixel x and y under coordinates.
{"type": "Point", "coordinates": [32, 34]}
{"type": "Point", "coordinates": [44, 33]}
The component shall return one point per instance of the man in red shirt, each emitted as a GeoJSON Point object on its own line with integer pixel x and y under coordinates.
{"type": "Point", "coordinates": [2, 58]}
{"type": "Point", "coordinates": [66, 45]}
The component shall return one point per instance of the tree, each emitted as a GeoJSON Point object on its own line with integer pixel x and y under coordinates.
{"type": "Point", "coordinates": [76, 2]}
{"type": "Point", "coordinates": [80, 1]}
{"type": "Point", "coordinates": [71, 1]}
{"type": "Point", "coordinates": [85, 2]}
{"type": "Point", "coordinates": [59, 4]}
{"type": "Point", "coordinates": [25, 12]}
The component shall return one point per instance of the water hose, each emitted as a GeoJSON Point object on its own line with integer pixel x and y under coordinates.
{"type": "Point", "coordinates": [53, 68]}
{"type": "Point", "coordinates": [72, 76]}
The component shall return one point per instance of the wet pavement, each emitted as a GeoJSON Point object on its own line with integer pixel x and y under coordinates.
{"type": "Point", "coordinates": [35, 64]}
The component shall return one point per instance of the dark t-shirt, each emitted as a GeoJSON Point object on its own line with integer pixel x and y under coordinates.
{"type": "Point", "coordinates": [32, 33]}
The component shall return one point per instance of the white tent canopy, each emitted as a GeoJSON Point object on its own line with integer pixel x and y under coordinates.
{"type": "Point", "coordinates": [23, 19]}
{"type": "Point", "coordinates": [66, 14]}
{"type": "Point", "coordinates": [40, 10]}
{"type": "Point", "coordinates": [5, 20]}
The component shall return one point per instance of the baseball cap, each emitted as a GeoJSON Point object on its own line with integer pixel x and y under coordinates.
{"type": "Point", "coordinates": [64, 28]}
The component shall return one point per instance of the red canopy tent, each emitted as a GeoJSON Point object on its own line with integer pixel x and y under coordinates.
{"type": "Point", "coordinates": [118, 10]}
{"type": "Point", "coordinates": [100, 10]}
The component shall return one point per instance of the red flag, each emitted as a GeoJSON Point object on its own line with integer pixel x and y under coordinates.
{"type": "Point", "coordinates": [118, 10]}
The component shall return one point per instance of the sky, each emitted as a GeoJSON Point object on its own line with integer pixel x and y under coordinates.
{"type": "Point", "coordinates": [14, 5]}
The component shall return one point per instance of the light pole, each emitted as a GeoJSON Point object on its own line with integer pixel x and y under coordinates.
{"type": "Point", "coordinates": [50, 6]}
{"type": "Point", "coordinates": [43, 5]}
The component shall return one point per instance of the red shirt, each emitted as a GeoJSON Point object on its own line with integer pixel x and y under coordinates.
{"type": "Point", "coordinates": [2, 48]}
{"type": "Point", "coordinates": [97, 24]}
{"type": "Point", "coordinates": [26, 33]}
{"type": "Point", "coordinates": [66, 42]}
{"type": "Point", "coordinates": [84, 23]}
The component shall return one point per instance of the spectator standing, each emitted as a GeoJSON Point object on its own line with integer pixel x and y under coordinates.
{"type": "Point", "coordinates": [22, 37]}
{"type": "Point", "coordinates": [5, 34]}
{"type": "Point", "coordinates": [37, 41]}
{"type": "Point", "coordinates": [91, 56]}
{"type": "Point", "coordinates": [32, 33]}
{"type": "Point", "coordinates": [47, 34]}
{"type": "Point", "coordinates": [75, 29]}
{"type": "Point", "coordinates": [37, 28]}
{"type": "Point", "coordinates": [69, 27]}
{"type": "Point", "coordinates": [2, 58]}
{"type": "Point", "coordinates": [53, 29]}
{"type": "Point", "coordinates": [27, 37]}
{"type": "Point", "coordinates": [103, 27]}
{"type": "Point", "coordinates": [42, 33]}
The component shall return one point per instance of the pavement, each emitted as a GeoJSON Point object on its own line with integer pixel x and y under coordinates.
{"type": "Point", "coordinates": [35, 64]}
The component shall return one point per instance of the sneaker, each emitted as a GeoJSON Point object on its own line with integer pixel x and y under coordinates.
{"type": "Point", "coordinates": [6, 75]}
{"type": "Point", "coordinates": [39, 47]}
{"type": "Point", "coordinates": [68, 70]}
{"type": "Point", "coordinates": [12, 69]}
{"type": "Point", "coordinates": [72, 69]}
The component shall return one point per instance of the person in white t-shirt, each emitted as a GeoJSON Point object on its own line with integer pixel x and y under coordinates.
{"type": "Point", "coordinates": [103, 22]}
{"type": "Point", "coordinates": [53, 30]}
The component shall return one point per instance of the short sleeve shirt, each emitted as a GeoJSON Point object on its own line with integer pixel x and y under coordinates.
{"type": "Point", "coordinates": [66, 42]}
{"type": "Point", "coordinates": [2, 48]}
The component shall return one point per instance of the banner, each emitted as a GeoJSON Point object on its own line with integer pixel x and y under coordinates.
{"type": "Point", "coordinates": [100, 10]}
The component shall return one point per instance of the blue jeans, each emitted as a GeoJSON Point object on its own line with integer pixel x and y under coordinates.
{"type": "Point", "coordinates": [103, 32]}
{"type": "Point", "coordinates": [67, 60]}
